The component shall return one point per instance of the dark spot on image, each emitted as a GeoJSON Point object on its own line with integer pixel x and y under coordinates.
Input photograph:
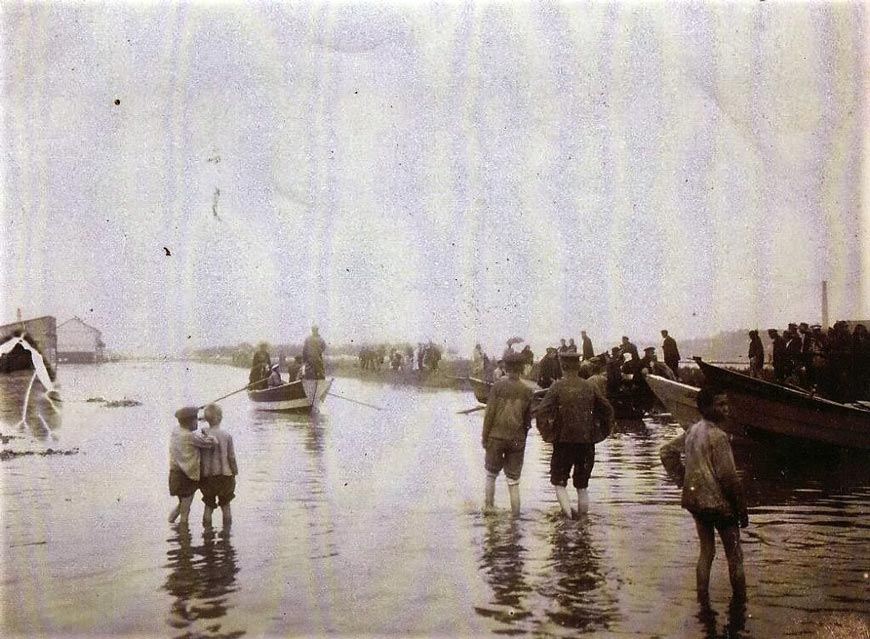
{"type": "Point", "coordinates": [167, 251]}
{"type": "Point", "coordinates": [117, 102]}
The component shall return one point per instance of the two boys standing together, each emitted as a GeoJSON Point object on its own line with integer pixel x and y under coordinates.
{"type": "Point", "coordinates": [201, 460]}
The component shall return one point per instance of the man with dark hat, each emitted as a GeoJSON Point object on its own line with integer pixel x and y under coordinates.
{"type": "Point", "coordinates": [549, 369]}
{"type": "Point", "coordinates": [574, 404]}
{"type": "Point", "coordinates": [185, 443]}
{"type": "Point", "coordinates": [651, 365]}
{"type": "Point", "coordinates": [756, 354]}
{"type": "Point", "coordinates": [507, 420]}
{"type": "Point", "coordinates": [671, 353]}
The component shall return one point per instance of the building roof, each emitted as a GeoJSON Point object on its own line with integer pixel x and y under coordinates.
{"type": "Point", "coordinates": [75, 318]}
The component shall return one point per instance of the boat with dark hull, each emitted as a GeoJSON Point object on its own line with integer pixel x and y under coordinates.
{"type": "Point", "coordinates": [301, 396]}
{"type": "Point", "coordinates": [766, 410]}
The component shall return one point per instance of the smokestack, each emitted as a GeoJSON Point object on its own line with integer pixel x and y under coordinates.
{"type": "Point", "coordinates": [825, 324]}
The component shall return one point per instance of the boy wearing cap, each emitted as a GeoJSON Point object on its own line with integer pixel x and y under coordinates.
{"type": "Point", "coordinates": [507, 420]}
{"type": "Point", "coordinates": [218, 468]}
{"type": "Point", "coordinates": [185, 444]}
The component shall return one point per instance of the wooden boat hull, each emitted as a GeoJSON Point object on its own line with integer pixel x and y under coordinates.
{"type": "Point", "coordinates": [680, 399]}
{"type": "Point", "coordinates": [766, 409]}
{"type": "Point", "coordinates": [301, 396]}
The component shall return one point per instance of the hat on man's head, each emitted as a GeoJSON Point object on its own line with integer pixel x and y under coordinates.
{"type": "Point", "coordinates": [187, 414]}
{"type": "Point", "coordinates": [792, 326]}
{"type": "Point", "coordinates": [551, 349]}
{"type": "Point", "coordinates": [649, 349]}
{"type": "Point", "coordinates": [816, 327]}
{"type": "Point", "coordinates": [274, 367]}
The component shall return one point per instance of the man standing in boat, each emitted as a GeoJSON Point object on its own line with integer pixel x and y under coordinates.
{"type": "Point", "coordinates": [671, 353]}
{"type": "Point", "coordinates": [586, 345]}
{"type": "Point", "coordinates": [312, 355]}
{"type": "Point", "coordinates": [507, 420]}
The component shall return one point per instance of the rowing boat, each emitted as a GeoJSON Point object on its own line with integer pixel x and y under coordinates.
{"type": "Point", "coordinates": [764, 410]}
{"type": "Point", "coordinates": [301, 396]}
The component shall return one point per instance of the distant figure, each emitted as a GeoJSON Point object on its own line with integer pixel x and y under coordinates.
{"type": "Point", "coordinates": [218, 469]}
{"type": "Point", "coordinates": [312, 355]}
{"type": "Point", "coordinates": [778, 355]}
{"type": "Point", "coordinates": [572, 347]}
{"type": "Point", "coordinates": [586, 344]}
{"type": "Point", "coordinates": [185, 444]}
{"type": "Point", "coordinates": [261, 365]}
{"type": "Point", "coordinates": [670, 353]}
{"type": "Point", "coordinates": [632, 365]}
{"type": "Point", "coordinates": [294, 368]}
{"type": "Point", "coordinates": [575, 404]}
{"type": "Point", "coordinates": [651, 365]}
{"type": "Point", "coordinates": [421, 355]}
{"type": "Point", "coordinates": [528, 359]}
{"type": "Point", "coordinates": [275, 377]}
{"type": "Point", "coordinates": [477, 362]}
{"type": "Point", "coordinates": [549, 369]}
{"type": "Point", "coordinates": [756, 355]}
{"type": "Point", "coordinates": [563, 347]}
{"type": "Point", "coordinates": [507, 420]}
{"type": "Point", "coordinates": [409, 356]}
{"type": "Point", "coordinates": [500, 370]}
{"type": "Point", "coordinates": [711, 489]}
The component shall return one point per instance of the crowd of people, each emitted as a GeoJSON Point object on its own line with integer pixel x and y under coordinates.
{"type": "Point", "coordinates": [833, 362]}
{"type": "Point", "coordinates": [426, 356]}
{"type": "Point", "coordinates": [309, 365]}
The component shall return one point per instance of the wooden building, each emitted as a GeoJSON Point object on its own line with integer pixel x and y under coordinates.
{"type": "Point", "coordinates": [39, 331]}
{"type": "Point", "coordinates": [78, 342]}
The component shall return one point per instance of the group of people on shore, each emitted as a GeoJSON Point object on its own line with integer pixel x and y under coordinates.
{"type": "Point", "coordinates": [426, 356]}
{"type": "Point", "coordinates": [833, 362]}
{"type": "Point", "coordinates": [619, 364]}
{"type": "Point", "coordinates": [574, 415]}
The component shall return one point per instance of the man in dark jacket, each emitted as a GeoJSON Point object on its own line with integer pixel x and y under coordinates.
{"type": "Point", "coordinates": [312, 355]}
{"type": "Point", "coordinates": [549, 369]}
{"type": "Point", "coordinates": [574, 404]}
{"type": "Point", "coordinates": [586, 343]}
{"type": "Point", "coordinates": [670, 353]}
{"type": "Point", "coordinates": [778, 354]}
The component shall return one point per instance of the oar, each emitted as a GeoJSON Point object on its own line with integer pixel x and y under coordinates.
{"type": "Point", "coordinates": [215, 401]}
{"type": "Point", "coordinates": [355, 401]}
{"type": "Point", "coordinates": [468, 411]}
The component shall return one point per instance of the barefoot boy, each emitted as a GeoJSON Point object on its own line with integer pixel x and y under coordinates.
{"type": "Point", "coordinates": [218, 468]}
{"type": "Point", "coordinates": [711, 489]}
{"type": "Point", "coordinates": [185, 444]}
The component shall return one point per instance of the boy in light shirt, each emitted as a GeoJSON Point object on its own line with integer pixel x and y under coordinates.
{"type": "Point", "coordinates": [218, 468]}
{"type": "Point", "coordinates": [185, 444]}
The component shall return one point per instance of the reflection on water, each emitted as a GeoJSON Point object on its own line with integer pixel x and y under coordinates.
{"type": "Point", "coordinates": [733, 625]}
{"type": "Point", "coordinates": [576, 588]}
{"type": "Point", "coordinates": [502, 565]}
{"type": "Point", "coordinates": [202, 579]}
{"type": "Point", "coordinates": [25, 405]}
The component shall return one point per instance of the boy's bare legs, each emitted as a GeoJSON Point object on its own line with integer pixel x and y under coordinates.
{"type": "Point", "coordinates": [489, 496]}
{"type": "Point", "coordinates": [173, 514]}
{"type": "Point", "coordinates": [705, 558]}
{"type": "Point", "coordinates": [227, 515]}
{"type": "Point", "coordinates": [206, 516]}
{"type": "Point", "coordinates": [514, 492]}
{"type": "Point", "coordinates": [184, 508]}
{"type": "Point", "coordinates": [582, 501]}
{"type": "Point", "coordinates": [734, 552]}
{"type": "Point", "coordinates": [564, 501]}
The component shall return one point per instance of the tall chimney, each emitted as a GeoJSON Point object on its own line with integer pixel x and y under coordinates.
{"type": "Point", "coordinates": [825, 324]}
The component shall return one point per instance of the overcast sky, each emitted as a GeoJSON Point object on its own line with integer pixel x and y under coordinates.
{"type": "Point", "coordinates": [413, 171]}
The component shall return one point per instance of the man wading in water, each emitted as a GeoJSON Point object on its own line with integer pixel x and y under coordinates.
{"type": "Point", "coordinates": [507, 420]}
{"type": "Point", "coordinates": [572, 403]}
{"type": "Point", "coordinates": [711, 489]}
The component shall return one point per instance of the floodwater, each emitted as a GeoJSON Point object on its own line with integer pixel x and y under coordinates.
{"type": "Point", "coordinates": [368, 523]}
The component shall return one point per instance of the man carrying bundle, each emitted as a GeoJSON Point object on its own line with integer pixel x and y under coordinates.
{"type": "Point", "coordinates": [507, 420]}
